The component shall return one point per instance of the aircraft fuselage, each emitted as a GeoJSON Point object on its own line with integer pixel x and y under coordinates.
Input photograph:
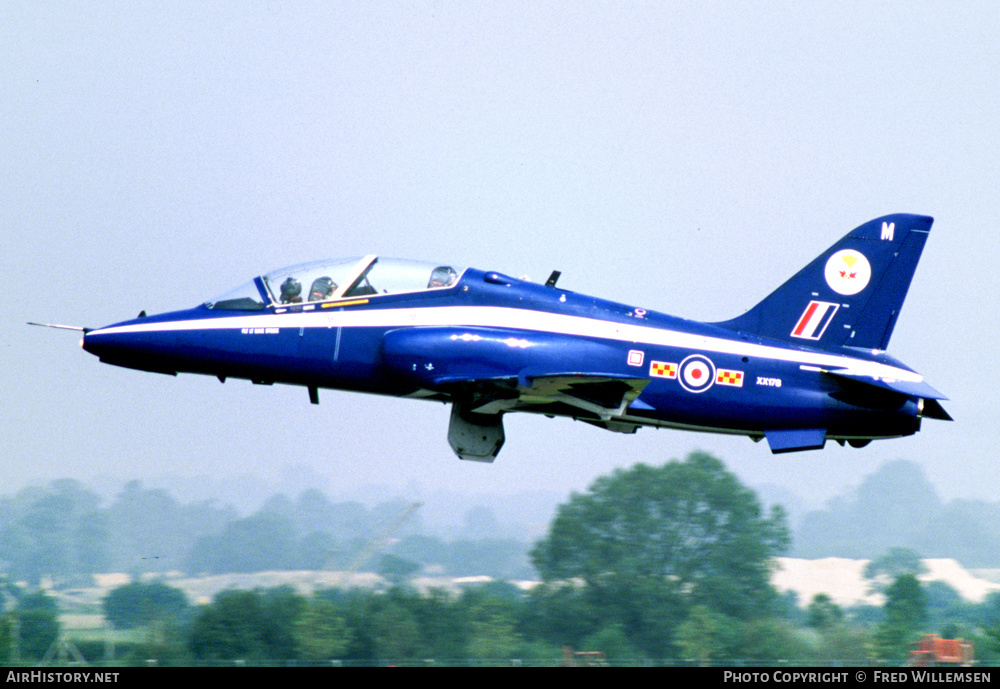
{"type": "Point", "coordinates": [805, 365]}
{"type": "Point", "coordinates": [487, 340]}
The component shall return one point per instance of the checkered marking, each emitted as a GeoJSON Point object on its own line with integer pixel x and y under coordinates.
{"type": "Point", "coordinates": [662, 369]}
{"type": "Point", "coordinates": [727, 377]}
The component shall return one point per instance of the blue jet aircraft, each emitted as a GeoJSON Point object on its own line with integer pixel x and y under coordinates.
{"type": "Point", "coordinates": [806, 365]}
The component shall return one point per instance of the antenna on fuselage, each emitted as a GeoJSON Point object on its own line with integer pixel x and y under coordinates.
{"type": "Point", "coordinates": [551, 282]}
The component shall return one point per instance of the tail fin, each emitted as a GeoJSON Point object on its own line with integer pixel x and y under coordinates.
{"type": "Point", "coordinates": [851, 294]}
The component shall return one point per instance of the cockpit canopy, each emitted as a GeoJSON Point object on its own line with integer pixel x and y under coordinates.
{"type": "Point", "coordinates": [334, 279]}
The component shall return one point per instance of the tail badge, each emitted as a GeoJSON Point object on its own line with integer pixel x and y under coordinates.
{"type": "Point", "coordinates": [848, 272]}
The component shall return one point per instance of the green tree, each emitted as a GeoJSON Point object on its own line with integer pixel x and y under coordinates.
{"type": "Point", "coordinates": [651, 543]}
{"type": "Point", "coordinates": [152, 532]}
{"type": "Point", "coordinates": [136, 604]}
{"type": "Point", "coordinates": [701, 637]}
{"type": "Point", "coordinates": [38, 624]}
{"type": "Point", "coordinates": [896, 561]}
{"type": "Point", "coordinates": [845, 643]}
{"type": "Point", "coordinates": [248, 625]}
{"type": "Point", "coordinates": [771, 640]}
{"type": "Point", "coordinates": [612, 642]}
{"type": "Point", "coordinates": [282, 608]}
{"type": "Point", "coordinates": [321, 632]}
{"type": "Point", "coordinates": [396, 631]}
{"type": "Point", "coordinates": [6, 639]}
{"type": "Point", "coordinates": [395, 569]}
{"type": "Point", "coordinates": [442, 622]}
{"type": "Point", "coordinates": [988, 647]}
{"type": "Point", "coordinates": [230, 627]}
{"type": "Point", "coordinates": [316, 551]}
{"type": "Point", "coordinates": [560, 614]}
{"type": "Point", "coordinates": [54, 531]}
{"type": "Point", "coordinates": [893, 506]}
{"type": "Point", "coordinates": [492, 624]}
{"type": "Point", "coordinates": [262, 542]}
{"type": "Point", "coordinates": [905, 613]}
{"type": "Point", "coordinates": [823, 613]}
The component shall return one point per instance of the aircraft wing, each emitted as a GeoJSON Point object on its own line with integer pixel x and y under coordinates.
{"type": "Point", "coordinates": [601, 397]}
{"type": "Point", "coordinates": [475, 431]}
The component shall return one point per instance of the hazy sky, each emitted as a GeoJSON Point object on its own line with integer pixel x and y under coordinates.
{"type": "Point", "coordinates": [683, 157]}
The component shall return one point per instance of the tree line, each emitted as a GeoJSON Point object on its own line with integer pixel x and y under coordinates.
{"type": "Point", "coordinates": [897, 506]}
{"type": "Point", "coordinates": [667, 563]}
{"type": "Point", "coordinates": [494, 624]}
{"type": "Point", "coordinates": [61, 532]}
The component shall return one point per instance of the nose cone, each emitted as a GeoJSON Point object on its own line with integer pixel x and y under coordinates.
{"type": "Point", "coordinates": [128, 344]}
{"type": "Point", "coordinates": [102, 342]}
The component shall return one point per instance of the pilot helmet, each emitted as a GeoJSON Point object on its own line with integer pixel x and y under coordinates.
{"type": "Point", "coordinates": [290, 289]}
{"type": "Point", "coordinates": [442, 276]}
{"type": "Point", "coordinates": [322, 288]}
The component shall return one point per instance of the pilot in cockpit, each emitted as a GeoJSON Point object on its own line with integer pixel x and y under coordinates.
{"type": "Point", "coordinates": [322, 289]}
{"type": "Point", "coordinates": [442, 276]}
{"type": "Point", "coordinates": [291, 291]}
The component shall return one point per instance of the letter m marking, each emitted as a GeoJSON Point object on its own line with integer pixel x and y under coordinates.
{"type": "Point", "coordinates": [888, 230]}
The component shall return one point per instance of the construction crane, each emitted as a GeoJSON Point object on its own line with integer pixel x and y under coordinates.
{"type": "Point", "coordinates": [373, 546]}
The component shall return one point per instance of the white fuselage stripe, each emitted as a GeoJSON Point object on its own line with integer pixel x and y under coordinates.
{"type": "Point", "coordinates": [523, 319]}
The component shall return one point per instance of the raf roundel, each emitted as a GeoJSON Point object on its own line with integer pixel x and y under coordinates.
{"type": "Point", "coordinates": [847, 272]}
{"type": "Point", "coordinates": [697, 373]}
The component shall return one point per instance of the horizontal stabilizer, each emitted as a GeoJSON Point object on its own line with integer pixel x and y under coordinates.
{"type": "Point", "coordinates": [911, 389]}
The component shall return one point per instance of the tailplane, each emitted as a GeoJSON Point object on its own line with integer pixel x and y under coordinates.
{"type": "Point", "coordinates": [851, 294]}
